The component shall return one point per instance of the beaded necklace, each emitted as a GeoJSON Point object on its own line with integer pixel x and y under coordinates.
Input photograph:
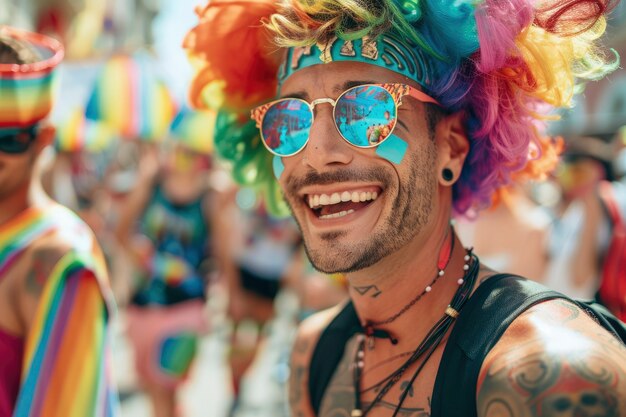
{"type": "Point", "coordinates": [425, 348]}
{"type": "Point", "coordinates": [370, 327]}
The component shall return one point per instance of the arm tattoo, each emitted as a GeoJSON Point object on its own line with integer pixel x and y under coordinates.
{"type": "Point", "coordinates": [299, 369]}
{"type": "Point", "coordinates": [43, 262]}
{"type": "Point", "coordinates": [295, 389]}
{"type": "Point", "coordinates": [373, 289]}
{"type": "Point", "coordinates": [550, 386]}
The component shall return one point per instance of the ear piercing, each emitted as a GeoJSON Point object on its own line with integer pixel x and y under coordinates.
{"type": "Point", "coordinates": [447, 174]}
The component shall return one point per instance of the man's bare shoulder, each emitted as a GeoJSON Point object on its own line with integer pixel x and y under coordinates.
{"type": "Point", "coordinates": [554, 360]}
{"type": "Point", "coordinates": [308, 334]}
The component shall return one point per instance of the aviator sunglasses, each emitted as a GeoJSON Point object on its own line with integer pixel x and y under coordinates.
{"type": "Point", "coordinates": [365, 117]}
{"type": "Point", "coordinates": [16, 141]}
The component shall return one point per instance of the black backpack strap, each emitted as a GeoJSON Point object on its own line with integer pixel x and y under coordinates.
{"type": "Point", "coordinates": [488, 313]}
{"type": "Point", "coordinates": [329, 351]}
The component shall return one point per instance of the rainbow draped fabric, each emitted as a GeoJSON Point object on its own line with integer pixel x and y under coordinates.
{"type": "Point", "coordinates": [66, 368]}
{"type": "Point", "coordinates": [27, 90]}
{"type": "Point", "coordinates": [129, 97]}
{"type": "Point", "coordinates": [16, 236]}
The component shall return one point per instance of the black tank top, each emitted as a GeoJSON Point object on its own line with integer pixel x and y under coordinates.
{"type": "Point", "coordinates": [488, 313]}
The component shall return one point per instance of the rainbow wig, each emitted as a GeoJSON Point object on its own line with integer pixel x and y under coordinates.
{"type": "Point", "coordinates": [506, 64]}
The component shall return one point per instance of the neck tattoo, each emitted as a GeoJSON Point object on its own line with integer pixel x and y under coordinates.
{"type": "Point", "coordinates": [370, 328]}
{"type": "Point", "coordinates": [428, 345]}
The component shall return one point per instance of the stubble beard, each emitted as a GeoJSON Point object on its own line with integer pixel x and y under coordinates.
{"type": "Point", "coordinates": [411, 209]}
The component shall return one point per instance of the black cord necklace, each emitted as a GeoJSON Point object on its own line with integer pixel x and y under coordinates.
{"type": "Point", "coordinates": [370, 327]}
{"type": "Point", "coordinates": [426, 347]}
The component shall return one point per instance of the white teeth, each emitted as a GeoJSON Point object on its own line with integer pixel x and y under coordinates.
{"type": "Point", "coordinates": [316, 200]}
{"type": "Point", "coordinates": [337, 215]}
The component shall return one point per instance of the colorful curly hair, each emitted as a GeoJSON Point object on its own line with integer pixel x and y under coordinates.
{"type": "Point", "coordinates": [507, 64]}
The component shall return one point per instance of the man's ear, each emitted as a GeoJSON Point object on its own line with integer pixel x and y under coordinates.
{"type": "Point", "coordinates": [452, 147]}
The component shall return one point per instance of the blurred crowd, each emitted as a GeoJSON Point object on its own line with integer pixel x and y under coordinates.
{"type": "Point", "coordinates": [193, 255]}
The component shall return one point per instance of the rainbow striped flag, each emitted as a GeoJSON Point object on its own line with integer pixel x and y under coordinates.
{"type": "Point", "coordinates": [67, 369]}
{"type": "Point", "coordinates": [130, 98]}
{"type": "Point", "coordinates": [77, 134]}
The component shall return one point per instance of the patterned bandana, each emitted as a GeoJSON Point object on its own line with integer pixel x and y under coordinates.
{"type": "Point", "coordinates": [387, 51]}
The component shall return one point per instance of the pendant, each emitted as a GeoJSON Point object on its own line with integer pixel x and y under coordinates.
{"type": "Point", "coordinates": [369, 335]}
{"type": "Point", "coordinates": [356, 413]}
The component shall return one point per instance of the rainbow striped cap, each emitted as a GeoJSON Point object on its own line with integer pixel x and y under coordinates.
{"type": "Point", "coordinates": [78, 133]}
{"type": "Point", "coordinates": [194, 129]}
{"type": "Point", "coordinates": [129, 97]}
{"type": "Point", "coordinates": [26, 90]}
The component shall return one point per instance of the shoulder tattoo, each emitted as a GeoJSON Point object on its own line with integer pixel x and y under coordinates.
{"type": "Point", "coordinates": [556, 385]}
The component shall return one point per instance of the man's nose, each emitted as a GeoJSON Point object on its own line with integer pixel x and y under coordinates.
{"type": "Point", "coordinates": [326, 147]}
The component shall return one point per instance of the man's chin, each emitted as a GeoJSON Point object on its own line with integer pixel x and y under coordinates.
{"type": "Point", "coordinates": [331, 261]}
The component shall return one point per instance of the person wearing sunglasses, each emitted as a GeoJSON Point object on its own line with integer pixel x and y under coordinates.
{"type": "Point", "coordinates": [55, 299]}
{"type": "Point", "coordinates": [378, 122]}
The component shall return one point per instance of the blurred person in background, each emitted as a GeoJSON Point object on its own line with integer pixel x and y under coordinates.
{"type": "Point", "coordinates": [165, 226]}
{"type": "Point", "coordinates": [580, 230]}
{"type": "Point", "coordinates": [521, 249]}
{"type": "Point", "coordinates": [55, 301]}
{"type": "Point", "coordinates": [129, 100]}
{"type": "Point", "coordinates": [255, 254]}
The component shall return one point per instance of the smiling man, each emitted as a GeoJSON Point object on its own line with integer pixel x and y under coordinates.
{"type": "Point", "coordinates": [381, 120]}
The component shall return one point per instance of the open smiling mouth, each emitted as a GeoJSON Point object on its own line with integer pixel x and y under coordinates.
{"type": "Point", "coordinates": [339, 204]}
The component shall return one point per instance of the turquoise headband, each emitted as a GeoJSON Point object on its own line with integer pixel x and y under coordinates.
{"type": "Point", "coordinates": [387, 51]}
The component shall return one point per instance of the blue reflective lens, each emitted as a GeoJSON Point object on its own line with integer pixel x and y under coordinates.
{"type": "Point", "coordinates": [365, 115]}
{"type": "Point", "coordinates": [286, 126]}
